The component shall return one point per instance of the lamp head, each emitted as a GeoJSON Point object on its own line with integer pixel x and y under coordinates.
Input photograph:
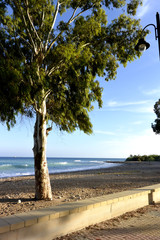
{"type": "Point", "coordinates": [142, 45]}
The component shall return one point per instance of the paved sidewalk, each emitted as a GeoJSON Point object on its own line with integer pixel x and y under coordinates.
{"type": "Point", "coordinates": [143, 224]}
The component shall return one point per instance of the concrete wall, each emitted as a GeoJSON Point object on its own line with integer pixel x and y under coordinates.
{"type": "Point", "coordinates": [48, 223]}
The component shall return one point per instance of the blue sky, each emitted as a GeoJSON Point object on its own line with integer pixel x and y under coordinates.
{"type": "Point", "coordinates": [122, 127]}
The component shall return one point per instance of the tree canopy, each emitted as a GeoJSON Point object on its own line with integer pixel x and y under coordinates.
{"type": "Point", "coordinates": [156, 124]}
{"type": "Point", "coordinates": [55, 50]}
{"type": "Point", "coordinates": [142, 158]}
{"type": "Point", "coordinates": [51, 52]}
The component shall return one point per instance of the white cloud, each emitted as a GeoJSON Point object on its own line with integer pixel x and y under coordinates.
{"type": "Point", "coordinates": [104, 132]}
{"type": "Point", "coordinates": [142, 10]}
{"type": "Point", "coordinates": [123, 104]}
{"type": "Point", "coordinates": [137, 122]}
{"type": "Point", "coordinates": [146, 109]}
{"type": "Point", "coordinates": [112, 104]}
{"type": "Point", "coordinates": [152, 92]}
{"type": "Point", "coordinates": [144, 106]}
{"type": "Point", "coordinates": [144, 143]}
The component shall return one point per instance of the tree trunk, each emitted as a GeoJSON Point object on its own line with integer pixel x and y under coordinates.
{"type": "Point", "coordinates": [42, 180]}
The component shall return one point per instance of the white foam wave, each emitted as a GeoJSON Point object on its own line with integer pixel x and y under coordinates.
{"type": "Point", "coordinates": [77, 161]}
{"type": "Point", "coordinates": [107, 165]}
{"type": "Point", "coordinates": [63, 163]}
{"type": "Point", "coordinates": [5, 165]}
{"type": "Point", "coordinates": [26, 165]}
{"type": "Point", "coordinates": [100, 162]}
{"type": "Point", "coordinates": [17, 174]}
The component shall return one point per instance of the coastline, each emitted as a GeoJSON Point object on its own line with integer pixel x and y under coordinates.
{"type": "Point", "coordinates": [74, 186]}
{"type": "Point", "coordinates": [15, 167]}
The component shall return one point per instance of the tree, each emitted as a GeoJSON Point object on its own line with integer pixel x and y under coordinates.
{"type": "Point", "coordinates": [51, 52]}
{"type": "Point", "coordinates": [156, 125]}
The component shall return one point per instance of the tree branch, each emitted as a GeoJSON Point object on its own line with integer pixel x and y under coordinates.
{"type": "Point", "coordinates": [54, 41]}
{"type": "Point", "coordinates": [53, 23]}
{"type": "Point", "coordinates": [47, 94]}
{"type": "Point", "coordinates": [72, 18]}
{"type": "Point", "coordinates": [31, 22]}
{"type": "Point", "coordinates": [61, 62]}
{"type": "Point", "coordinates": [55, 68]}
{"type": "Point", "coordinates": [84, 45]}
{"type": "Point", "coordinates": [25, 23]}
{"type": "Point", "coordinates": [73, 14]}
{"type": "Point", "coordinates": [42, 19]}
{"type": "Point", "coordinates": [36, 107]}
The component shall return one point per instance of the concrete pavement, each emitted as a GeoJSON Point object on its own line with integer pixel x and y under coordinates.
{"type": "Point", "coordinates": [143, 224]}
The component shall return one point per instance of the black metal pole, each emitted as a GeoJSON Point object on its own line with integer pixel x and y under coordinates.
{"type": "Point", "coordinates": [158, 31]}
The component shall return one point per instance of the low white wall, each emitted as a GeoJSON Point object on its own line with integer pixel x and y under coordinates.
{"type": "Point", "coordinates": [46, 224]}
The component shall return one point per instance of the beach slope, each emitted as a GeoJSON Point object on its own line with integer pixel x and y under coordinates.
{"type": "Point", "coordinates": [17, 194]}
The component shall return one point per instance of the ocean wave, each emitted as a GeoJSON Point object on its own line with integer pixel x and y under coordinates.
{"type": "Point", "coordinates": [12, 167]}
{"type": "Point", "coordinates": [27, 174]}
{"type": "Point", "coordinates": [56, 164]}
{"type": "Point", "coordinates": [107, 165]}
{"type": "Point", "coordinates": [5, 165]}
{"type": "Point", "coordinates": [17, 174]}
{"type": "Point", "coordinates": [63, 163]}
{"type": "Point", "coordinates": [99, 162]}
{"type": "Point", "coordinates": [26, 165]}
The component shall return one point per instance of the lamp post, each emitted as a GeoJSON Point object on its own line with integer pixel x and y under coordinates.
{"type": "Point", "coordinates": [142, 45]}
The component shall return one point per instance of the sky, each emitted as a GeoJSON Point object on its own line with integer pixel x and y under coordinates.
{"type": "Point", "coordinates": [122, 126]}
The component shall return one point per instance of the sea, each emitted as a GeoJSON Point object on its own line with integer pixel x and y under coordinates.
{"type": "Point", "coordinates": [24, 166]}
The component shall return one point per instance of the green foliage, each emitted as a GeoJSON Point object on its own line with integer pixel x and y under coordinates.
{"type": "Point", "coordinates": [132, 6]}
{"type": "Point", "coordinates": [54, 50]}
{"type": "Point", "coordinates": [12, 95]}
{"type": "Point", "coordinates": [143, 158]}
{"type": "Point", "coordinates": [156, 125]}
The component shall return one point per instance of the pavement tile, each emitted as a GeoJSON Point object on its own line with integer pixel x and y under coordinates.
{"type": "Point", "coordinates": [145, 226]}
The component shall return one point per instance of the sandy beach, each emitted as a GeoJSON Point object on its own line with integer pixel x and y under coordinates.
{"type": "Point", "coordinates": [17, 194]}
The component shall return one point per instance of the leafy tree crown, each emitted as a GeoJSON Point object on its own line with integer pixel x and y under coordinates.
{"type": "Point", "coordinates": [54, 50]}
